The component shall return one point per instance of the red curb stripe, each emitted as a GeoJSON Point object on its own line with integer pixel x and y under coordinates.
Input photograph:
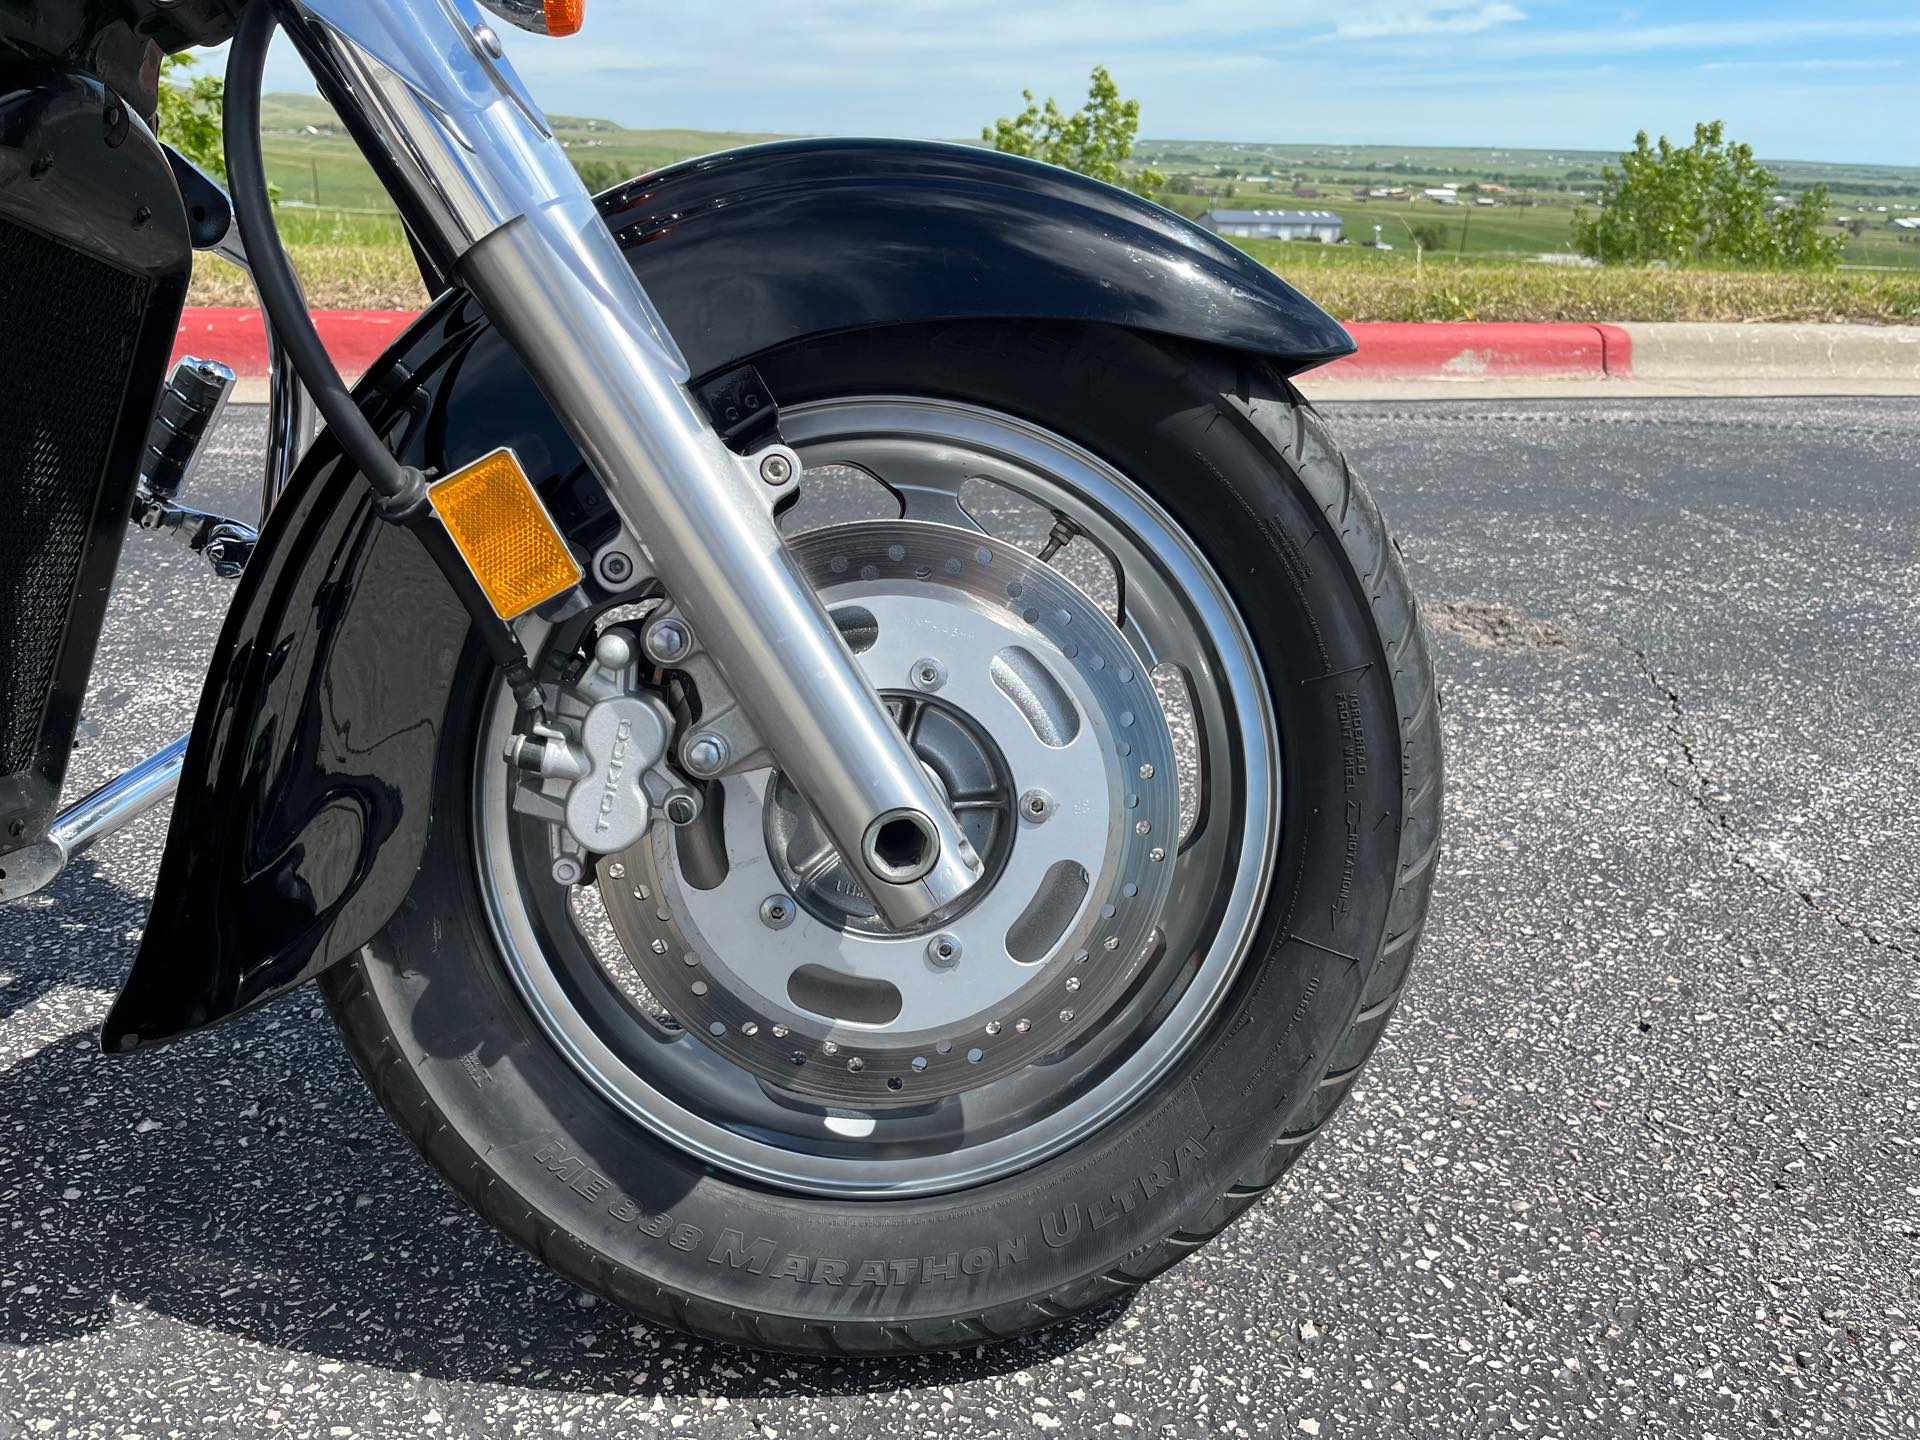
{"type": "Point", "coordinates": [1471, 351]}
{"type": "Point", "coordinates": [1616, 345]}
{"type": "Point", "coordinates": [237, 337]}
{"type": "Point", "coordinates": [1388, 350]}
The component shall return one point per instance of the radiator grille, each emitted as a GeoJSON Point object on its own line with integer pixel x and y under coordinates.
{"type": "Point", "coordinates": [70, 323]}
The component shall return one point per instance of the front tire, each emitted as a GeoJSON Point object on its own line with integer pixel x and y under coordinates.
{"type": "Point", "coordinates": [1247, 470]}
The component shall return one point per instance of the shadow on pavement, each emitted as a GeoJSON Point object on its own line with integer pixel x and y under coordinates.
{"type": "Point", "coordinates": [245, 1181]}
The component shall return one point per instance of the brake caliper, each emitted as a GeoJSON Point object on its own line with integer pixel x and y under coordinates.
{"type": "Point", "coordinates": [598, 773]}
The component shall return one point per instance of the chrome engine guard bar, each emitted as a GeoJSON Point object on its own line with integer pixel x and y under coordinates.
{"type": "Point", "coordinates": [509, 214]}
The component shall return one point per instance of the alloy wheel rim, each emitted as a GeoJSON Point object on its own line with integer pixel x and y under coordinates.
{"type": "Point", "coordinates": [1169, 617]}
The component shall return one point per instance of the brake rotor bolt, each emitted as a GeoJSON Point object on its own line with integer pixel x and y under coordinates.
{"type": "Point", "coordinates": [1066, 1017]}
{"type": "Point", "coordinates": [943, 952]}
{"type": "Point", "coordinates": [776, 469]}
{"type": "Point", "coordinates": [668, 640]}
{"type": "Point", "coordinates": [827, 1047]}
{"type": "Point", "coordinates": [993, 1027]}
{"type": "Point", "coordinates": [776, 912]}
{"type": "Point", "coordinates": [1073, 982]}
{"type": "Point", "coordinates": [1146, 772]}
{"type": "Point", "coordinates": [705, 754]}
{"type": "Point", "coordinates": [1143, 827]}
{"type": "Point", "coordinates": [1022, 1026]}
{"type": "Point", "coordinates": [856, 1064]}
{"type": "Point", "coordinates": [1036, 807]}
{"type": "Point", "coordinates": [1156, 854]}
{"type": "Point", "coordinates": [779, 1032]}
{"type": "Point", "coordinates": [616, 870]}
{"type": "Point", "coordinates": [929, 675]}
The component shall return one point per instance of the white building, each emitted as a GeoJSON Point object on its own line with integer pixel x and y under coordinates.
{"type": "Point", "coordinates": [1322, 225]}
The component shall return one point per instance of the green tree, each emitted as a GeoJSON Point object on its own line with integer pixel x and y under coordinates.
{"type": "Point", "coordinates": [190, 113]}
{"type": "Point", "coordinates": [1429, 234]}
{"type": "Point", "coordinates": [1708, 203]}
{"type": "Point", "coordinates": [1095, 140]}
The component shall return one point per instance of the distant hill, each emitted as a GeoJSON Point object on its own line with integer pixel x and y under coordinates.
{"type": "Point", "coordinates": [310, 157]}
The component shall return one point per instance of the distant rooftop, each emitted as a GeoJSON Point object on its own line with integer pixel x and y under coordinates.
{"type": "Point", "coordinates": [1271, 217]}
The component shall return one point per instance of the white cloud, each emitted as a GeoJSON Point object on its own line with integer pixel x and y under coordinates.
{"type": "Point", "coordinates": [1431, 20]}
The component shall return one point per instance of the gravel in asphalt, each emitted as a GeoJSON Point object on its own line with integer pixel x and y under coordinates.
{"type": "Point", "coordinates": [1638, 1154]}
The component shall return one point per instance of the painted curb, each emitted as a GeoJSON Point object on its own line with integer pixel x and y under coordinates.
{"type": "Point", "coordinates": [1466, 351]}
{"type": "Point", "coordinates": [1462, 352]}
{"type": "Point", "coordinates": [237, 337]}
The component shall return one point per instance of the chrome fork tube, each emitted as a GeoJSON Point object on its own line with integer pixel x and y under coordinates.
{"type": "Point", "coordinates": [524, 235]}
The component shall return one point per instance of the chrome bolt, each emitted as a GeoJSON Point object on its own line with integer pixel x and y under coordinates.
{"type": "Point", "coordinates": [1143, 827]}
{"type": "Point", "coordinates": [668, 640]}
{"type": "Point", "coordinates": [1022, 1026]}
{"type": "Point", "coordinates": [683, 808]}
{"type": "Point", "coordinates": [776, 912]}
{"type": "Point", "coordinates": [1156, 854]}
{"type": "Point", "coordinates": [993, 1027]}
{"type": "Point", "coordinates": [856, 1064]}
{"type": "Point", "coordinates": [489, 41]}
{"type": "Point", "coordinates": [776, 469]}
{"type": "Point", "coordinates": [943, 951]}
{"type": "Point", "coordinates": [1146, 772]}
{"type": "Point", "coordinates": [1036, 807]}
{"type": "Point", "coordinates": [827, 1047]}
{"type": "Point", "coordinates": [929, 675]}
{"type": "Point", "coordinates": [704, 754]}
{"type": "Point", "coordinates": [566, 871]}
{"type": "Point", "coordinates": [1066, 1017]}
{"type": "Point", "coordinates": [1073, 982]}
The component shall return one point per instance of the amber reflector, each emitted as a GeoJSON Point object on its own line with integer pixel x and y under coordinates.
{"type": "Point", "coordinates": [564, 16]}
{"type": "Point", "coordinates": [505, 534]}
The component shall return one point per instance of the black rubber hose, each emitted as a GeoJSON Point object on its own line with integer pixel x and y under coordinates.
{"type": "Point", "coordinates": [400, 490]}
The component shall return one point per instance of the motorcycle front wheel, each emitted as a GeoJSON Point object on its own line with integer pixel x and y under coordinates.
{"type": "Point", "coordinates": [1144, 626]}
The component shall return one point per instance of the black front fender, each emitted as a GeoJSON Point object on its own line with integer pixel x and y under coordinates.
{"type": "Point", "coordinates": [303, 807]}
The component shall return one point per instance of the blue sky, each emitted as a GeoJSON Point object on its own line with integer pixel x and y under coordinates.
{"type": "Point", "coordinates": [1833, 81]}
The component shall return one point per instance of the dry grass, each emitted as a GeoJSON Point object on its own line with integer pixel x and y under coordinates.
{"type": "Point", "coordinates": [1550, 292]}
{"type": "Point", "coordinates": [363, 267]}
{"type": "Point", "coordinates": [337, 276]}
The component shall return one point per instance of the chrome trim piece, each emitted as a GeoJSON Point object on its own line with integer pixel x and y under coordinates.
{"type": "Point", "coordinates": [111, 807]}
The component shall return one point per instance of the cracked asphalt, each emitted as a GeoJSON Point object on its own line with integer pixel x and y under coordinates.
{"type": "Point", "coordinates": [1638, 1154]}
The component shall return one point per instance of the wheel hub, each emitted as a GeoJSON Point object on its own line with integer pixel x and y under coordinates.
{"type": "Point", "coordinates": [1033, 713]}
{"type": "Point", "coordinates": [968, 771]}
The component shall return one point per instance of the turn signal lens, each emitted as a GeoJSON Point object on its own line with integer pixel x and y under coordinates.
{"type": "Point", "coordinates": [504, 533]}
{"type": "Point", "coordinates": [564, 16]}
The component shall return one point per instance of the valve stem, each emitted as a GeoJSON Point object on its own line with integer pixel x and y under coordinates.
{"type": "Point", "coordinates": [1063, 534]}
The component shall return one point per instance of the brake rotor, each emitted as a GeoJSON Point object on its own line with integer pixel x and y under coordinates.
{"type": "Point", "coordinates": [1034, 715]}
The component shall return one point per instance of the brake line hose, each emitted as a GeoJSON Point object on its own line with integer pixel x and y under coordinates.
{"type": "Point", "coordinates": [400, 491]}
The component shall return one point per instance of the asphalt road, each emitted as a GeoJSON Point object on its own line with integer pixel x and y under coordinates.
{"type": "Point", "coordinates": [1640, 1153]}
